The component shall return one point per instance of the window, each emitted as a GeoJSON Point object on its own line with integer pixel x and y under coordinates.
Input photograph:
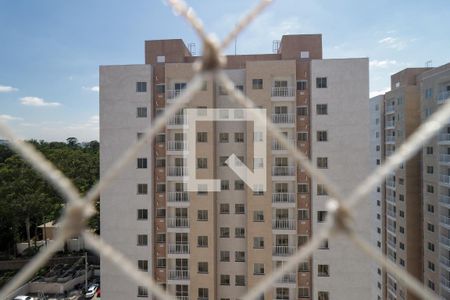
{"type": "Point", "coordinates": [203, 293]}
{"type": "Point", "coordinates": [202, 163]}
{"type": "Point", "coordinates": [224, 232]}
{"type": "Point", "coordinates": [303, 214]}
{"type": "Point", "coordinates": [258, 242]}
{"type": "Point", "coordinates": [431, 285]}
{"type": "Point", "coordinates": [302, 110]}
{"type": "Point", "coordinates": [222, 161]}
{"type": "Point", "coordinates": [239, 256]}
{"type": "Point", "coordinates": [142, 214]}
{"type": "Point", "coordinates": [258, 269]}
{"type": "Point", "coordinates": [160, 59]}
{"type": "Point", "coordinates": [302, 136]}
{"type": "Point", "coordinates": [430, 170]}
{"type": "Point", "coordinates": [143, 265]}
{"type": "Point", "coordinates": [139, 135]}
{"type": "Point", "coordinates": [224, 185]}
{"type": "Point", "coordinates": [303, 267]}
{"type": "Point", "coordinates": [322, 136]}
{"type": "Point", "coordinates": [202, 137]}
{"type": "Point", "coordinates": [142, 240]}
{"type": "Point", "coordinates": [257, 84]}
{"type": "Point", "coordinates": [239, 232]}
{"type": "Point", "coordinates": [222, 91]}
{"type": "Point", "coordinates": [225, 256]}
{"type": "Point", "coordinates": [239, 185]}
{"type": "Point", "coordinates": [160, 163]}
{"type": "Point", "coordinates": [160, 138]}
{"type": "Point", "coordinates": [141, 112]}
{"type": "Point", "coordinates": [303, 292]}
{"type": "Point", "coordinates": [239, 209]}
{"type": "Point", "coordinates": [202, 215]}
{"type": "Point", "coordinates": [160, 187]}
{"type": "Point", "coordinates": [238, 137]}
{"type": "Point", "coordinates": [321, 191]}
{"type": "Point", "coordinates": [142, 163]}
{"type": "Point", "coordinates": [321, 216]}
{"type": "Point", "coordinates": [160, 88]}
{"type": "Point", "coordinates": [322, 109]}
{"type": "Point", "coordinates": [430, 188]}
{"type": "Point", "coordinates": [302, 240]}
{"type": "Point", "coordinates": [203, 267]}
{"type": "Point", "coordinates": [430, 208]}
{"type": "Point", "coordinates": [323, 270]}
{"type": "Point", "coordinates": [322, 162]}
{"type": "Point", "coordinates": [224, 208]}
{"type": "Point", "coordinates": [142, 291]}
{"type": "Point", "coordinates": [302, 85]}
{"type": "Point", "coordinates": [304, 54]}
{"type": "Point", "coordinates": [240, 87]}
{"type": "Point", "coordinates": [321, 82]}
{"type": "Point", "coordinates": [258, 216]}
{"type": "Point", "coordinates": [429, 150]}
{"type": "Point", "coordinates": [142, 189]}
{"type": "Point", "coordinates": [321, 295]}
{"type": "Point", "coordinates": [223, 137]}
{"type": "Point", "coordinates": [160, 238]}
{"type": "Point", "coordinates": [160, 212]}
{"type": "Point", "coordinates": [141, 87]}
{"type": "Point", "coordinates": [161, 263]}
{"type": "Point", "coordinates": [431, 266]}
{"type": "Point", "coordinates": [257, 136]}
{"type": "Point", "coordinates": [431, 247]}
{"type": "Point", "coordinates": [239, 280]}
{"type": "Point", "coordinates": [202, 241]}
{"type": "Point", "coordinates": [302, 188]}
{"type": "Point", "coordinates": [224, 279]}
{"type": "Point", "coordinates": [324, 244]}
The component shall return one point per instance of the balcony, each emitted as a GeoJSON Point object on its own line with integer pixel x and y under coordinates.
{"type": "Point", "coordinates": [390, 109]}
{"type": "Point", "coordinates": [288, 278]}
{"type": "Point", "coordinates": [390, 139]}
{"type": "Point", "coordinates": [445, 241]}
{"type": "Point", "coordinates": [390, 198]}
{"type": "Point", "coordinates": [176, 146]}
{"type": "Point", "coordinates": [285, 93]}
{"type": "Point", "coordinates": [176, 121]}
{"type": "Point", "coordinates": [444, 199]}
{"type": "Point", "coordinates": [172, 94]}
{"type": "Point", "coordinates": [444, 179]}
{"type": "Point", "coordinates": [178, 275]}
{"type": "Point", "coordinates": [391, 228]}
{"type": "Point", "coordinates": [283, 119]}
{"type": "Point", "coordinates": [284, 224]}
{"type": "Point", "coordinates": [445, 220]}
{"type": "Point", "coordinates": [444, 158]}
{"type": "Point", "coordinates": [445, 282]}
{"type": "Point", "coordinates": [177, 171]}
{"type": "Point", "coordinates": [444, 138]}
{"type": "Point", "coordinates": [390, 184]}
{"type": "Point", "coordinates": [178, 198]}
{"type": "Point", "coordinates": [445, 261]}
{"type": "Point", "coordinates": [277, 146]}
{"type": "Point", "coordinates": [283, 251]}
{"type": "Point", "coordinates": [283, 198]}
{"type": "Point", "coordinates": [391, 213]}
{"type": "Point", "coordinates": [442, 97]}
{"type": "Point", "coordinates": [390, 124]}
{"type": "Point", "coordinates": [283, 171]}
{"type": "Point", "coordinates": [178, 249]}
{"type": "Point", "coordinates": [177, 222]}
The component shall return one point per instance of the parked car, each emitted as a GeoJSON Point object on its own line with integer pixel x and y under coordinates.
{"type": "Point", "coordinates": [91, 291]}
{"type": "Point", "coordinates": [23, 298]}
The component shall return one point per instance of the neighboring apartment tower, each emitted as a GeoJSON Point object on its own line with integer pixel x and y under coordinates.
{"type": "Point", "coordinates": [218, 245]}
{"type": "Point", "coordinates": [376, 156]}
{"type": "Point", "coordinates": [435, 91]}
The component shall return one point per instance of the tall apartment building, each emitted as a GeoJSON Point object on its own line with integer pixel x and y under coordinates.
{"type": "Point", "coordinates": [217, 245]}
{"type": "Point", "coordinates": [413, 199]}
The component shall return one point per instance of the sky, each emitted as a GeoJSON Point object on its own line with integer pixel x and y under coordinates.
{"type": "Point", "coordinates": [51, 50]}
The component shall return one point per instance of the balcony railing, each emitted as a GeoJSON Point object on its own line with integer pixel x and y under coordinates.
{"type": "Point", "coordinates": [178, 222]}
{"type": "Point", "coordinates": [444, 199]}
{"type": "Point", "coordinates": [178, 196]}
{"type": "Point", "coordinates": [176, 145]}
{"type": "Point", "coordinates": [445, 179]}
{"type": "Point", "coordinates": [390, 109]}
{"type": "Point", "coordinates": [390, 124]}
{"type": "Point", "coordinates": [173, 93]}
{"type": "Point", "coordinates": [283, 198]}
{"type": "Point", "coordinates": [284, 224]}
{"type": "Point", "coordinates": [444, 158]}
{"type": "Point", "coordinates": [390, 183]}
{"type": "Point", "coordinates": [177, 120]}
{"type": "Point", "coordinates": [445, 240]}
{"type": "Point", "coordinates": [443, 97]}
{"type": "Point", "coordinates": [283, 250]}
{"type": "Point", "coordinates": [390, 198]}
{"type": "Point", "coordinates": [283, 171]}
{"type": "Point", "coordinates": [391, 213]}
{"type": "Point", "coordinates": [391, 228]}
{"type": "Point", "coordinates": [390, 139]}
{"type": "Point", "coordinates": [287, 278]}
{"type": "Point", "coordinates": [276, 145]}
{"type": "Point", "coordinates": [445, 220]}
{"type": "Point", "coordinates": [177, 171]}
{"type": "Point", "coordinates": [444, 137]}
{"type": "Point", "coordinates": [178, 275]}
{"type": "Point", "coordinates": [283, 118]}
{"type": "Point", "coordinates": [445, 261]}
{"type": "Point", "coordinates": [178, 249]}
{"type": "Point", "coordinates": [283, 92]}
{"type": "Point", "coordinates": [445, 282]}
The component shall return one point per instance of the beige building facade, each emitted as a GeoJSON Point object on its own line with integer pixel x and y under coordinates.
{"type": "Point", "coordinates": [217, 245]}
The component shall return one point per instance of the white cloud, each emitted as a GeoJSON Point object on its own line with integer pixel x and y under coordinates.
{"type": "Point", "coordinates": [36, 101]}
{"type": "Point", "coordinates": [382, 64]}
{"type": "Point", "coordinates": [7, 89]}
{"type": "Point", "coordinates": [6, 118]}
{"type": "Point", "coordinates": [379, 92]}
{"type": "Point", "coordinates": [393, 43]}
{"type": "Point", "coordinates": [95, 88]}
